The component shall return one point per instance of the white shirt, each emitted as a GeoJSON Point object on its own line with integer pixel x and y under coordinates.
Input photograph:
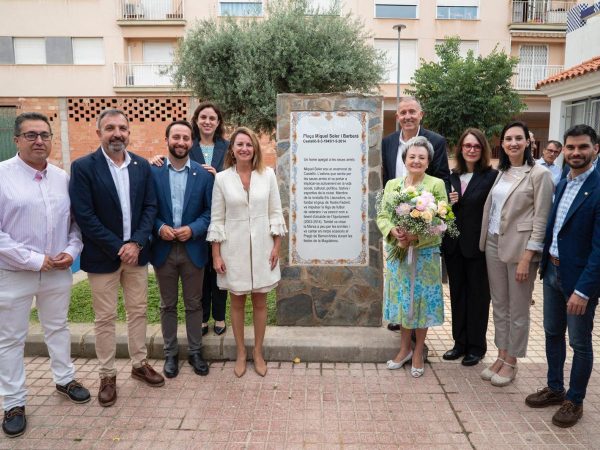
{"type": "Point", "coordinates": [120, 176]}
{"type": "Point", "coordinates": [35, 216]}
{"type": "Point", "coordinates": [499, 194]}
{"type": "Point", "coordinates": [400, 167]}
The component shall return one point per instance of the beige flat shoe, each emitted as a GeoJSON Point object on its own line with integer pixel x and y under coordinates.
{"type": "Point", "coordinates": [488, 373]}
{"type": "Point", "coordinates": [501, 381]}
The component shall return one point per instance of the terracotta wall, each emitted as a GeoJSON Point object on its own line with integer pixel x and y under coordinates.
{"type": "Point", "coordinates": [149, 117]}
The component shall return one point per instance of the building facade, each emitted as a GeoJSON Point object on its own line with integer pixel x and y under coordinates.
{"type": "Point", "coordinates": [70, 59]}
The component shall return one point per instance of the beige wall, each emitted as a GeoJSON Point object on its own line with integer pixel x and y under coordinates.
{"type": "Point", "coordinates": [98, 18]}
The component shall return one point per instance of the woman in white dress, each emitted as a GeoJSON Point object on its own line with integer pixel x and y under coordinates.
{"type": "Point", "coordinates": [245, 230]}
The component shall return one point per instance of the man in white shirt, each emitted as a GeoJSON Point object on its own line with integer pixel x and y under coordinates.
{"type": "Point", "coordinates": [549, 155]}
{"type": "Point", "coordinates": [38, 242]}
{"type": "Point", "coordinates": [115, 206]}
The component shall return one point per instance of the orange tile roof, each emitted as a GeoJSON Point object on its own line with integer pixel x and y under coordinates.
{"type": "Point", "coordinates": [591, 65]}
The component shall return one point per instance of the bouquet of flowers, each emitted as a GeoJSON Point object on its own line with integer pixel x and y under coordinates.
{"type": "Point", "coordinates": [417, 212]}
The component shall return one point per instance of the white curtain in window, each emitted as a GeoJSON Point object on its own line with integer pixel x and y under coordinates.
{"type": "Point", "coordinates": [458, 2]}
{"type": "Point", "coordinates": [240, 8]}
{"type": "Point", "coordinates": [408, 58]}
{"type": "Point", "coordinates": [30, 50]}
{"type": "Point", "coordinates": [463, 48]}
{"type": "Point", "coordinates": [88, 50]}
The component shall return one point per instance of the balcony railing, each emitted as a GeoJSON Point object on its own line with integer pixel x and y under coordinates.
{"type": "Point", "coordinates": [142, 75]}
{"type": "Point", "coordinates": [541, 11]}
{"type": "Point", "coordinates": [527, 76]}
{"type": "Point", "coordinates": [149, 10]}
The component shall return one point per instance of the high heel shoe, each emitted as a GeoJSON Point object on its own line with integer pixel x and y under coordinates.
{"type": "Point", "coordinates": [393, 365]}
{"type": "Point", "coordinates": [262, 370]}
{"type": "Point", "coordinates": [417, 373]}
{"type": "Point", "coordinates": [488, 373]}
{"type": "Point", "coordinates": [241, 371]}
{"type": "Point", "coordinates": [501, 381]}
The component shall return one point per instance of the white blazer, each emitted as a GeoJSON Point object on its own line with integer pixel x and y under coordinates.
{"type": "Point", "coordinates": [245, 223]}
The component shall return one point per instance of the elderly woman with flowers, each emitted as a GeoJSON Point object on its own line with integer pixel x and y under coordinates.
{"type": "Point", "coordinates": [412, 215]}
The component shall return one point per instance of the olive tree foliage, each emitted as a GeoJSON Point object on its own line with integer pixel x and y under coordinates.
{"type": "Point", "coordinates": [457, 93]}
{"type": "Point", "coordinates": [242, 64]}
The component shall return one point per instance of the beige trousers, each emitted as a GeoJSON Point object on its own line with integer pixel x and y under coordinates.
{"type": "Point", "coordinates": [511, 300]}
{"type": "Point", "coordinates": [105, 289]}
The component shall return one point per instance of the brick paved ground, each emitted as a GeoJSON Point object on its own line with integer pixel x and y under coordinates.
{"type": "Point", "coordinates": [310, 405]}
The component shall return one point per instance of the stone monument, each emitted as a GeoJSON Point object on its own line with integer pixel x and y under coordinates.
{"type": "Point", "coordinates": [329, 172]}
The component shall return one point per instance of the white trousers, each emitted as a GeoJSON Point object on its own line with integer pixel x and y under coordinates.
{"type": "Point", "coordinates": [53, 294]}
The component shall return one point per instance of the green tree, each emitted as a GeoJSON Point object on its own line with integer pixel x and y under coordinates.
{"type": "Point", "coordinates": [457, 93]}
{"type": "Point", "coordinates": [243, 64]}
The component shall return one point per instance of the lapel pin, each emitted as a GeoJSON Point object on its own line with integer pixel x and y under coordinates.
{"type": "Point", "coordinates": [194, 173]}
{"type": "Point", "coordinates": [585, 193]}
{"type": "Point", "coordinates": [135, 163]}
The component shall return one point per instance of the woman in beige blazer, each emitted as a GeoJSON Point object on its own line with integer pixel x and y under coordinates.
{"type": "Point", "coordinates": [512, 236]}
{"type": "Point", "coordinates": [245, 230]}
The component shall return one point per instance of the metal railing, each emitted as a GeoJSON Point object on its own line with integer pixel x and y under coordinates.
{"type": "Point", "coordinates": [140, 10]}
{"type": "Point", "coordinates": [527, 76]}
{"type": "Point", "coordinates": [142, 75]}
{"type": "Point", "coordinates": [541, 11]}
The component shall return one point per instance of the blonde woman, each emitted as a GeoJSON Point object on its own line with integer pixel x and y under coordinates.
{"type": "Point", "coordinates": [246, 228]}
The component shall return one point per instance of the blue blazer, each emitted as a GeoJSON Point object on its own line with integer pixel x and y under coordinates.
{"type": "Point", "coordinates": [219, 151]}
{"type": "Point", "coordinates": [578, 239]}
{"type": "Point", "coordinates": [196, 213]}
{"type": "Point", "coordinates": [97, 210]}
{"type": "Point", "coordinates": [437, 168]}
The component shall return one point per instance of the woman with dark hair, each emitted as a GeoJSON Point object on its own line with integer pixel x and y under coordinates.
{"type": "Point", "coordinates": [208, 149]}
{"type": "Point", "coordinates": [471, 181]}
{"type": "Point", "coordinates": [245, 230]}
{"type": "Point", "coordinates": [512, 235]}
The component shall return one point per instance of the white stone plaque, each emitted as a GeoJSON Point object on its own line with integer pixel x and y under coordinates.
{"type": "Point", "coordinates": [328, 188]}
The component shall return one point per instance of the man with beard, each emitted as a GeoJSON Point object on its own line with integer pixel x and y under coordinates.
{"type": "Point", "coordinates": [112, 196]}
{"type": "Point", "coordinates": [179, 251]}
{"type": "Point", "coordinates": [570, 268]}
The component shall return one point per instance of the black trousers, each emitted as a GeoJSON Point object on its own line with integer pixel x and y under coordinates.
{"type": "Point", "coordinates": [470, 302]}
{"type": "Point", "coordinates": [213, 298]}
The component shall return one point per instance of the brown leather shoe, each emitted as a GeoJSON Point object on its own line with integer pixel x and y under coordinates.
{"type": "Point", "coordinates": [107, 395]}
{"type": "Point", "coordinates": [568, 414]}
{"type": "Point", "coordinates": [545, 397]}
{"type": "Point", "coordinates": [148, 375]}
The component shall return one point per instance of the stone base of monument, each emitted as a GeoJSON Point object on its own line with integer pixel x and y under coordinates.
{"type": "Point", "coordinates": [316, 344]}
{"type": "Point", "coordinates": [329, 174]}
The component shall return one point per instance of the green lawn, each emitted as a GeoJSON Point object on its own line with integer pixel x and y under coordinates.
{"type": "Point", "coordinates": [81, 311]}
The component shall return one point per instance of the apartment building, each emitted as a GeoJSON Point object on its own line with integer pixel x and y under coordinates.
{"type": "Point", "coordinates": [72, 58]}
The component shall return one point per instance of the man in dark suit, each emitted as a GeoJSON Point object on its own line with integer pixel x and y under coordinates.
{"type": "Point", "coordinates": [409, 115]}
{"type": "Point", "coordinates": [184, 193]}
{"type": "Point", "coordinates": [113, 200]}
{"type": "Point", "coordinates": [570, 268]}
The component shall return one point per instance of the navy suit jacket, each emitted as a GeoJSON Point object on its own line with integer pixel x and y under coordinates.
{"type": "Point", "coordinates": [437, 168]}
{"type": "Point", "coordinates": [578, 239]}
{"type": "Point", "coordinates": [196, 213]}
{"type": "Point", "coordinates": [219, 151]}
{"type": "Point", "coordinates": [97, 210]}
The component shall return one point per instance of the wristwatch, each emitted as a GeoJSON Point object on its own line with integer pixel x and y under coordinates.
{"type": "Point", "coordinates": [139, 246]}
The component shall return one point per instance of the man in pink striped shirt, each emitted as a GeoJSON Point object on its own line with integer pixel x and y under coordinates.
{"type": "Point", "coordinates": [38, 242]}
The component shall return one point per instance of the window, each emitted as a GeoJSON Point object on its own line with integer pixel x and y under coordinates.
{"type": "Point", "coordinates": [8, 148]}
{"type": "Point", "coordinates": [464, 47]}
{"type": "Point", "coordinates": [323, 6]}
{"type": "Point", "coordinates": [408, 59]}
{"type": "Point", "coordinates": [533, 66]}
{"type": "Point", "coordinates": [30, 50]}
{"type": "Point", "coordinates": [237, 8]}
{"type": "Point", "coordinates": [458, 9]}
{"type": "Point", "coordinates": [87, 51]}
{"type": "Point", "coordinates": [396, 9]}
